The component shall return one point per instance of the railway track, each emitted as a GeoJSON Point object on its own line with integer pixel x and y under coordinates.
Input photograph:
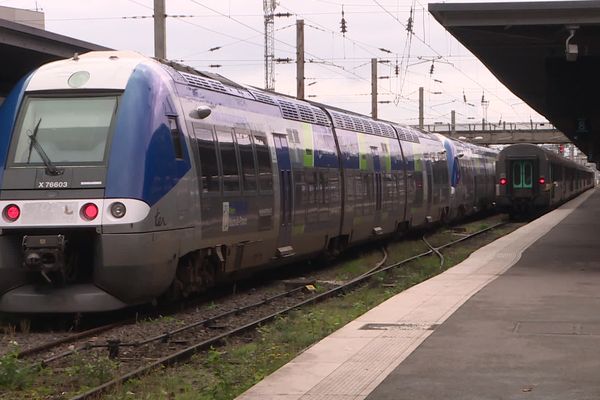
{"type": "Point", "coordinates": [145, 355]}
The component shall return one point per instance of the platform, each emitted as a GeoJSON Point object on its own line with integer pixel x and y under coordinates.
{"type": "Point", "coordinates": [519, 319]}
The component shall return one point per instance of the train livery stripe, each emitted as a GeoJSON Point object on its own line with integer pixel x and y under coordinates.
{"type": "Point", "coordinates": [309, 147]}
{"type": "Point", "coordinates": [145, 175]}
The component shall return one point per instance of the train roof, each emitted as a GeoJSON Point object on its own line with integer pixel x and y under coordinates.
{"type": "Point", "coordinates": [114, 75]}
{"type": "Point", "coordinates": [528, 149]}
{"type": "Point", "coordinates": [303, 110]}
{"type": "Point", "coordinates": [56, 75]}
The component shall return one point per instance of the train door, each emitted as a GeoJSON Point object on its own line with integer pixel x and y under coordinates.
{"type": "Point", "coordinates": [286, 205]}
{"type": "Point", "coordinates": [477, 181]}
{"type": "Point", "coordinates": [551, 180]}
{"type": "Point", "coordinates": [429, 198]}
{"type": "Point", "coordinates": [522, 177]}
{"type": "Point", "coordinates": [377, 184]}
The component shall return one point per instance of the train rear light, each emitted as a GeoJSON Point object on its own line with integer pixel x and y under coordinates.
{"type": "Point", "coordinates": [89, 211]}
{"type": "Point", "coordinates": [503, 181]}
{"type": "Point", "coordinates": [542, 180]}
{"type": "Point", "coordinates": [12, 212]}
{"type": "Point", "coordinates": [118, 210]}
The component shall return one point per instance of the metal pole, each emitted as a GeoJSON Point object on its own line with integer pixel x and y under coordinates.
{"type": "Point", "coordinates": [421, 111]}
{"type": "Point", "coordinates": [269, 7]}
{"type": "Point", "coordinates": [160, 29]}
{"type": "Point", "coordinates": [300, 59]}
{"type": "Point", "coordinates": [374, 87]}
{"type": "Point", "coordinates": [453, 121]}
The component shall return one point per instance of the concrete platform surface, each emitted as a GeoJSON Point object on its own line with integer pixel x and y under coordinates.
{"type": "Point", "coordinates": [532, 333]}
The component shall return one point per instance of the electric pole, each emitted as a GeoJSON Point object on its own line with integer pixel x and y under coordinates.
{"type": "Point", "coordinates": [160, 34]}
{"type": "Point", "coordinates": [300, 59]}
{"type": "Point", "coordinates": [453, 121]}
{"type": "Point", "coordinates": [374, 88]}
{"type": "Point", "coordinates": [269, 8]}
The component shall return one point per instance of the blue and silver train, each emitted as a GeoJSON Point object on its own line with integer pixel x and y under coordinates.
{"type": "Point", "coordinates": [126, 178]}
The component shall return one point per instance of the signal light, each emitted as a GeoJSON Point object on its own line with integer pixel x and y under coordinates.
{"type": "Point", "coordinates": [503, 181]}
{"type": "Point", "coordinates": [12, 212]}
{"type": "Point", "coordinates": [89, 211]}
{"type": "Point", "coordinates": [118, 210]}
{"type": "Point", "coordinates": [542, 180]}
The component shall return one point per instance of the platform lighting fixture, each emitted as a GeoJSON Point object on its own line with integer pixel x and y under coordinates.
{"type": "Point", "coordinates": [571, 49]}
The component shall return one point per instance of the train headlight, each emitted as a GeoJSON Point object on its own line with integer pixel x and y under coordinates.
{"type": "Point", "coordinates": [12, 212]}
{"type": "Point", "coordinates": [89, 211]}
{"type": "Point", "coordinates": [118, 210]}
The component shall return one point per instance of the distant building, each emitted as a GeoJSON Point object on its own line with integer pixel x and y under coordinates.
{"type": "Point", "coordinates": [25, 17]}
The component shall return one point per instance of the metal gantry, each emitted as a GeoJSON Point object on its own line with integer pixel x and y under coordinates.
{"type": "Point", "coordinates": [269, 8]}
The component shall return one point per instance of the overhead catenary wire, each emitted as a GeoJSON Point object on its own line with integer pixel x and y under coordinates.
{"type": "Point", "coordinates": [397, 8]}
{"type": "Point", "coordinates": [437, 53]}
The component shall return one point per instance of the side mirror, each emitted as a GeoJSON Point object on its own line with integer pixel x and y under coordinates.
{"type": "Point", "coordinates": [200, 112]}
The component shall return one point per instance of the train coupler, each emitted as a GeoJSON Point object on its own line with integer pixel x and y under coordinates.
{"type": "Point", "coordinates": [44, 254]}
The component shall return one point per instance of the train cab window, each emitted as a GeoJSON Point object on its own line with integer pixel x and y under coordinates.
{"type": "Point", "coordinates": [209, 168]}
{"type": "Point", "coordinates": [231, 177]}
{"type": "Point", "coordinates": [516, 179]}
{"type": "Point", "coordinates": [263, 158]}
{"type": "Point", "coordinates": [247, 160]}
{"type": "Point", "coordinates": [522, 174]}
{"type": "Point", "coordinates": [176, 137]}
{"type": "Point", "coordinates": [527, 174]}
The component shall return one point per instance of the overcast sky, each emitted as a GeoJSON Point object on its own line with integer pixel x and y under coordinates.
{"type": "Point", "coordinates": [340, 71]}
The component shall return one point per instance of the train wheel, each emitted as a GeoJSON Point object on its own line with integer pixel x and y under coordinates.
{"type": "Point", "coordinates": [195, 273]}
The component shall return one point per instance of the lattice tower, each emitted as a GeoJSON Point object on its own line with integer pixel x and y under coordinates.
{"type": "Point", "coordinates": [269, 8]}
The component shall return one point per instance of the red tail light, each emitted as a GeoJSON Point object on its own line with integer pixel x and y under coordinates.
{"type": "Point", "coordinates": [503, 181]}
{"type": "Point", "coordinates": [542, 180]}
{"type": "Point", "coordinates": [89, 211]}
{"type": "Point", "coordinates": [12, 212]}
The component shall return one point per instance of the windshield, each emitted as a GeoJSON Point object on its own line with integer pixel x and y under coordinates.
{"type": "Point", "coordinates": [71, 130]}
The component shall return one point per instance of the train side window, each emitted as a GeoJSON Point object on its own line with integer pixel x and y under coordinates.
{"type": "Point", "coordinates": [247, 160]}
{"type": "Point", "coordinates": [176, 137]}
{"type": "Point", "coordinates": [231, 177]}
{"type": "Point", "coordinates": [207, 151]}
{"type": "Point", "coordinates": [263, 158]}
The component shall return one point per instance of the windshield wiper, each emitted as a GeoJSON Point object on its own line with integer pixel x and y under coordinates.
{"type": "Point", "coordinates": [50, 167]}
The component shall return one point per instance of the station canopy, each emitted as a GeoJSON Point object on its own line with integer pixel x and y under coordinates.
{"type": "Point", "coordinates": [546, 52]}
{"type": "Point", "coordinates": [24, 48]}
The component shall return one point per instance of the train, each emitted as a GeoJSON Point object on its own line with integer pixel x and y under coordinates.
{"type": "Point", "coordinates": [532, 179]}
{"type": "Point", "coordinates": [126, 178]}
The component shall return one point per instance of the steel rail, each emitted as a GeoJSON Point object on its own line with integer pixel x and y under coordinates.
{"type": "Point", "coordinates": [77, 336]}
{"type": "Point", "coordinates": [166, 335]}
{"type": "Point", "coordinates": [186, 353]}
{"type": "Point", "coordinates": [436, 251]}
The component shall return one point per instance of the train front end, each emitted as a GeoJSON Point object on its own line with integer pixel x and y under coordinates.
{"type": "Point", "coordinates": [522, 184]}
{"type": "Point", "coordinates": [85, 178]}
